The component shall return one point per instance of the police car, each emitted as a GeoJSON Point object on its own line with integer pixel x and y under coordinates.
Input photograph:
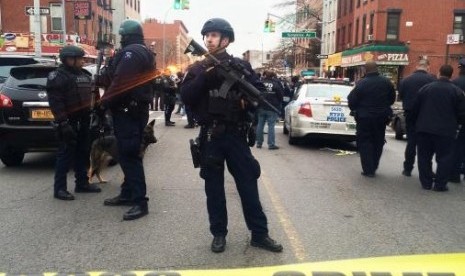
{"type": "Point", "coordinates": [319, 109]}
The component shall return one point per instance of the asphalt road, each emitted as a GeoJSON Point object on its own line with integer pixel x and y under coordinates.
{"type": "Point", "coordinates": [318, 206]}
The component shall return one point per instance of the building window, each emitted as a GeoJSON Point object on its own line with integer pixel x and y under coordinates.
{"type": "Point", "coordinates": [364, 28]}
{"type": "Point", "coordinates": [339, 5]}
{"type": "Point", "coordinates": [393, 22]}
{"type": "Point", "coordinates": [56, 16]}
{"type": "Point", "coordinates": [356, 30]}
{"type": "Point", "coordinates": [372, 21]}
{"type": "Point", "coordinates": [138, 6]}
{"type": "Point", "coordinates": [350, 5]}
{"type": "Point", "coordinates": [358, 3]}
{"type": "Point", "coordinates": [459, 24]}
{"type": "Point", "coordinates": [349, 38]}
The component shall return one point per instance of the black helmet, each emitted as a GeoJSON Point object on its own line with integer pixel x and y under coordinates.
{"type": "Point", "coordinates": [131, 27]}
{"type": "Point", "coordinates": [218, 25]}
{"type": "Point", "coordinates": [462, 63]}
{"type": "Point", "coordinates": [71, 51]}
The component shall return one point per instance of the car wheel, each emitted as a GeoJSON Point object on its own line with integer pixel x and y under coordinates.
{"type": "Point", "coordinates": [12, 158]}
{"type": "Point", "coordinates": [285, 130]}
{"type": "Point", "coordinates": [398, 130]}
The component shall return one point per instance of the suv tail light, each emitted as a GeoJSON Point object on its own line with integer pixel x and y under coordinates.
{"type": "Point", "coordinates": [306, 109]}
{"type": "Point", "coordinates": [5, 102]}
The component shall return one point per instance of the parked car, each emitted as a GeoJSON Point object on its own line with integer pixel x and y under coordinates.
{"type": "Point", "coordinates": [319, 109]}
{"type": "Point", "coordinates": [25, 116]}
{"type": "Point", "coordinates": [9, 61]}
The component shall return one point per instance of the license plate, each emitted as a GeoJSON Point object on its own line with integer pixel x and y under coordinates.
{"type": "Point", "coordinates": [41, 114]}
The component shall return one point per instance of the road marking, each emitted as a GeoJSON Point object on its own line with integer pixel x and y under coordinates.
{"type": "Point", "coordinates": [291, 233]}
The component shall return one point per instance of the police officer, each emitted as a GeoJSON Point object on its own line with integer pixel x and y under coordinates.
{"type": "Point", "coordinates": [371, 101]}
{"type": "Point", "coordinates": [69, 96]}
{"type": "Point", "coordinates": [408, 89]}
{"type": "Point", "coordinates": [460, 142]}
{"type": "Point", "coordinates": [158, 92]}
{"type": "Point", "coordinates": [273, 93]}
{"type": "Point", "coordinates": [223, 124]}
{"type": "Point", "coordinates": [128, 96]}
{"type": "Point", "coordinates": [437, 110]}
{"type": "Point", "coordinates": [169, 90]}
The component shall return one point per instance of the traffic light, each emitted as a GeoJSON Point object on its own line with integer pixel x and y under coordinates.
{"type": "Point", "coordinates": [272, 26]}
{"type": "Point", "coordinates": [185, 4]}
{"type": "Point", "coordinates": [266, 29]}
{"type": "Point", "coordinates": [177, 4]}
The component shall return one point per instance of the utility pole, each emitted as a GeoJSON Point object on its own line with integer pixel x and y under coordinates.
{"type": "Point", "coordinates": [37, 30]}
{"type": "Point", "coordinates": [64, 21]}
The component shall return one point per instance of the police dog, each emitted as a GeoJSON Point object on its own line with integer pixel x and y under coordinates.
{"type": "Point", "coordinates": [105, 148]}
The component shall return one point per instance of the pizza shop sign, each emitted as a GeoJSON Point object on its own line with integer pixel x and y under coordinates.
{"type": "Point", "coordinates": [393, 57]}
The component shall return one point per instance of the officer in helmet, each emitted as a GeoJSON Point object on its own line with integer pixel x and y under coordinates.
{"type": "Point", "coordinates": [69, 96]}
{"type": "Point", "coordinates": [128, 95]}
{"type": "Point", "coordinates": [459, 167]}
{"type": "Point", "coordinates": [223, 138]}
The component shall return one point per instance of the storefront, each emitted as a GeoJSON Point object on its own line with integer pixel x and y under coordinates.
{"type": "Point", "coordinates": [390, 59]}
{"type": "Point", "coordinates": [23, 44]}
{"type": "Point", "coordinates": [333, 66]}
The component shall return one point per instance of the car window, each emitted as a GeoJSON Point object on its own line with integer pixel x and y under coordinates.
{"type": "Point", "coordinates": [6, 63]}
{"type": "Point", "coordinates": [327, 91]}
{"type": "Point", "coordinates": [29, 77]}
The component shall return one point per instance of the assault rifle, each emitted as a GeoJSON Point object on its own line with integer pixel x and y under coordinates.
{"type": "Point", "coordinates": [95, 119]}
{"type": "Point", "coordinates": [233, 73]}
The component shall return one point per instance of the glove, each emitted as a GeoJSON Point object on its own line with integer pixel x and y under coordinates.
{"type": "Point", "coordinates": [67, 133]}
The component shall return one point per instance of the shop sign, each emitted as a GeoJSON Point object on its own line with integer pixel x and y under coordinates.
{"type": "Point", "coordinates": [82, 10]}
{"type": "Point", "coordinates": [350, 60]}
{"type": "Point", "coordinates": [393, 57]}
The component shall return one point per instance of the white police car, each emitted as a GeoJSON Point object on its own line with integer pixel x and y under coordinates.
{"type": "Point", "coordinates": [319, 109]}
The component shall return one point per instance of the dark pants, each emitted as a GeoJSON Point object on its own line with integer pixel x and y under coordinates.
{"type": "Point", "coordinates": [232, 148]}
{"type": "Point", "coordinates": [159, 100]}
{"type": "Point", "coordinates": [459, 155]}
{"type": "Point", "coordinates": [169, 107]}
{"type": "Point", "coordinates": [370, 142]}
{"type": "Point", "coordinates": [76, 155]}
{"type": "Point", "coordinates": [411, 148]}
{"type": "Point", "coordinates": [443, 147]}
{"type": "Point", "coordinates": [190, 115]}
{"type": "Point", "coordinates": [128, 132]}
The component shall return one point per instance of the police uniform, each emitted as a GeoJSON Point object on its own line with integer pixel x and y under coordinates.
{"type": "Point", "coordinates": [169, 90]}
{"type": "Point", "coordinates": [223, 138]}
{"type": "Point", "coordinates": [408, 89]}
{"type": "Point", "coordinates": [69, 96]}
{"type": "Point", "coordinates": [128, 98]}
{"type": "Point", "coordinates": [371, 101]}
{"type": "Point", "coordinates": [437, 111]}
{"type": "Point", "coordinates": [273, 93]}
{"type": "Point", "coordinates": [459, 167]}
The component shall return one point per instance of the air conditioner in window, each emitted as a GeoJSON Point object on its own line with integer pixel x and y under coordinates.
{"type": "Point", "coordinates": [348, 45]}
{"type": "Point", "coordinates": [370, 37]}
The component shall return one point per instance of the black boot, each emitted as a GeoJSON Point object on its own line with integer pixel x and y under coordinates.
{"type": "Point", "coordinates": [266, 243]}
{"type": "Point", "coordinates": [137, 211]}
{"type": "Point", "coordinates": [118, 201]}
{"type": "Point", "coordinates": [218, 244]}
{"type": "Point", "coordinates": [64, 195]}
{"type": "Point", "coordinates": [87, 188]}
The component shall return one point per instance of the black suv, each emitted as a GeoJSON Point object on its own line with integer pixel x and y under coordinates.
{"type": "Point", "coordinates": [25, 116]}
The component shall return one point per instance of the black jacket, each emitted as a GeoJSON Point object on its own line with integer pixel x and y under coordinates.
{"type": "Point", "coordinates": [409, 87]}
{"type": "Point", "coordinates": [125, 70]}
{"type": "Point", "coordinates": [69, 93]}
{"type": "Point", "coordinates": [372, 97]}
{"type": "Point", "coordinates": [438, 108]}
{"type": "Point", "coordinates": [460, 82]}
{"type": "Point", "coordinates": [273, 93]}
{"type": "Point", "coordinates": [198, 84]}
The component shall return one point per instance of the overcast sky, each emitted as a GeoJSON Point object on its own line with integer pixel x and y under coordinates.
{"type": "Point", "coordinates": [246, 17]}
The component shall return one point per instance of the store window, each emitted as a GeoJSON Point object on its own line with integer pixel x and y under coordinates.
{"type": "Point", "coordinates": [56, 17]}
{"type": "Point", "coordinates": [393, 22]}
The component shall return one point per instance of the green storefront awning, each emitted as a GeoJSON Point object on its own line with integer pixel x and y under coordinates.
{"type": "Point", "coordinates": [376, 48]}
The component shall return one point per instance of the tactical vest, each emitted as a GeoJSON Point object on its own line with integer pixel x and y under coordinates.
{"type": "Point", "coordinates": [78, 95]}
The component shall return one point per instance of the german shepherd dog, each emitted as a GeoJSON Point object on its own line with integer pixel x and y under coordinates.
{"type": "Point", "coordinates": [105, 148]}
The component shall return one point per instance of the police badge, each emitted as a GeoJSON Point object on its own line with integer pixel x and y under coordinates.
{"type": "Point", "coordinates": [52, 75]}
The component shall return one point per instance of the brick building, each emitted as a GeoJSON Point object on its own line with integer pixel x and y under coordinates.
{"type": "Point", "coordinates": [175, 43]}
{"type": "Point", "coordinates": [398, 33]}
{"type": "Point", "coordinates": [17, 26]}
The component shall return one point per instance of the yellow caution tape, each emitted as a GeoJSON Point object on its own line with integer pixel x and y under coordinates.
{"type": "Point", "coordinates": [415, 265]}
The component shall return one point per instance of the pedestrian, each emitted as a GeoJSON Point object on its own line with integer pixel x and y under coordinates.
{"type": "Point", "coordinates": [158, 93]}
{"type": "Point", "coordinates": [223, 137]}
{"type": "Point", "coordinates": [69, 95]}
{"type": "Point", "coordinates": [169, 90]}
{"type": "Point", "coordinates": [178, 80]}
{"type": "Point", "coordinates": [273, 93]}
{"type": "Point", "coordinates": [370, 101]}
{"type": "Point", "coordinates": [459, 167]}
{"type": "Point", "coordinates": [437, 110]}
{"type": "Point", "coordinates": [128, 96]}
{"type": "Point", "coordinates": [408, 90]}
